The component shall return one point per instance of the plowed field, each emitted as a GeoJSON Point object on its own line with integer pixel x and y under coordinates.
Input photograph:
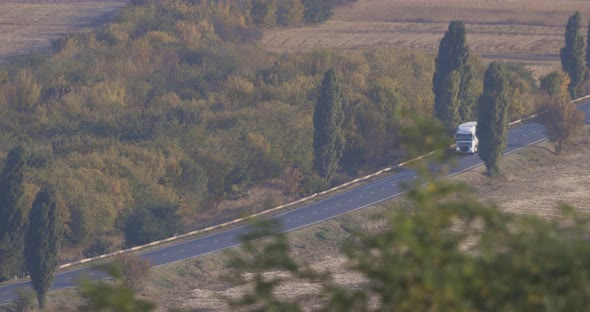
{"type": "Point", "coordinates": [524, 30]}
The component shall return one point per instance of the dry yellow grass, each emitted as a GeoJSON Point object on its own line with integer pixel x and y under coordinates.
{"type": "Point", "coordinates": [523, 30]}
{"type": "Point", "coordinates": [31, 25]}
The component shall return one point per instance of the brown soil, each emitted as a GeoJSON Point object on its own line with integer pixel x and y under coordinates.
{"type": "Point", "coordinates": [519, 30]}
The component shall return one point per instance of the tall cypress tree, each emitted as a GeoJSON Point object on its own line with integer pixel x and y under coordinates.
{"type": "Point", "coordinates": [492, 118]}
{"type": "Point", "coordinates": [43, 241]}
{"type": "Point", "coordinates": [13, 214]}
{"type": "Point", "coordinates": [572, 54]}
{"type": "Point", "coordinates": [453, 56]}
{"type": "Point", "coordinates": [328, 138]}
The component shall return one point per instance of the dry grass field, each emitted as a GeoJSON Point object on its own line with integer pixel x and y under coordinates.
{"type": "Point", "coordinates": [523, 30]}
{"type": "Point", "coordinates": [29, 25]}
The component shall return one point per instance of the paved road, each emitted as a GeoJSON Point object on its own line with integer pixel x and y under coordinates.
{"type": "Point", "coordinates": [336, 205]}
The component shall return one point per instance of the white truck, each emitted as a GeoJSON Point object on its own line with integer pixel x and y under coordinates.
{"type": "Point", "coordinates": [466, 139]}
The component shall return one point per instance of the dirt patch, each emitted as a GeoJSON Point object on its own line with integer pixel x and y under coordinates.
{"type": "Point", "coordinates": [31, 25]}
{"type": "Point", "coordinates": [517, 30]}
{"type": "Point", "coordinates": [536, 180]}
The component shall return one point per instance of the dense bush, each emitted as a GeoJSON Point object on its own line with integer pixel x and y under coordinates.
{"type": "Point", "coordinates": [317, 11]}
{"type": "Point", "coordinates": [150, 223]}
{"type": "Point", "coordinates": [99, 246]}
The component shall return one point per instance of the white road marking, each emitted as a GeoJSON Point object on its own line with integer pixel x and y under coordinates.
{"type": "Point", "coordinates": [5, 292]}
{"type": "Point", "coordinates": [182, 250]}
{"type": "Point", "coordinates": [215, 241]}
{"type": "Point", "coordinates": [301, 216]}
{"type": "Point", "coordinates": [314, 212]}
{"type": "Point", "coordinates": [350, 200]}
{"type": "Point", "coordinates": [338, 204]}
{"type": "Point", "coordinates": [69, 278]}
{"type": "Point", "coordinates": [372, 192]}
{"type": "Point", "coordinates": [165, 255]}
{"type": "Point", "coordinates": [326, 208]}
{"type": "Point", "coordinates": [382, 188]}
{"type": "Point", "coordinates": [361, 196]}
{"type": "Point", "coordinates": [230, 237]}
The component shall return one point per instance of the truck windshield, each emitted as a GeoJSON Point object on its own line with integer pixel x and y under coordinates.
{"type": "Point", "coordinates": [464, 137]}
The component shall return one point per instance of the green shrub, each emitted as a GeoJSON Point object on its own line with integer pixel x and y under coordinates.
{"type": "Point", "coordinates": [316, 11]}
{"type": "Point", "coordinates": [99, 246]}
{"type": "Point", "coordinates": [151, 223]}
{"type": "Point", "coordinates": [312, 184]}
{"type": "Point", "coordinates": [290, 12]}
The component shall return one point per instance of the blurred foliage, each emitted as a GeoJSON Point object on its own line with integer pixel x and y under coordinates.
{"type": "Point", "coordinates": [440, 249]}
{"type": "Point", "coordinates": [111, 296]}
{"type": "Point", "coordinates": [134, 269]}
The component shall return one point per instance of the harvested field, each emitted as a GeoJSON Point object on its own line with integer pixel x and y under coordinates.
{"type": "Point", "coordinates": [522, 30]}
{"type": "Point", "coordinates": [30, 25]}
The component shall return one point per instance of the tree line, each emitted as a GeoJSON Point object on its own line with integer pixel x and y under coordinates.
{"type": "Point", "coordinates": [174, 108]}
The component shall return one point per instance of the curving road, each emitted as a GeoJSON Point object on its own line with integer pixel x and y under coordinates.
{"type": "Point", "coordinates": [336, 205]}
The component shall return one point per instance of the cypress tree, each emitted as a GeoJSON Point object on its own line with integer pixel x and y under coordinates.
{"type": "Point", "coordinates": [572, 54]}
{"type": "Point", "coordinates": [328, 139]}
{"type": "Point", "coordinates": [453, 56]}
{"type": "Point", "coordinates": [13, 214]}
{"type": "Point", "coordinates": [492, 118]}
{"type": "Point", "coordinates": [43, 241]}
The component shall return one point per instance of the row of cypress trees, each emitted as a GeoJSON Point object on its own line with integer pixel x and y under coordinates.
{"type": "Point", "coordinates": [454, 99]}
{"type": "Point", "coordinates": [30, 237]}
{"type": "Point", "coordinates": [453, 78]}
{"type": "Point", "coordinates": [572, 54]}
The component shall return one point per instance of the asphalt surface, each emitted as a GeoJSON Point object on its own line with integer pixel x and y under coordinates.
{"type": "Point", "coordinates": [328, 208]}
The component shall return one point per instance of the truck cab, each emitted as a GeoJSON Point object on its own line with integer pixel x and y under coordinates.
{"type": "Point", "coordinates": [465, 139]}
